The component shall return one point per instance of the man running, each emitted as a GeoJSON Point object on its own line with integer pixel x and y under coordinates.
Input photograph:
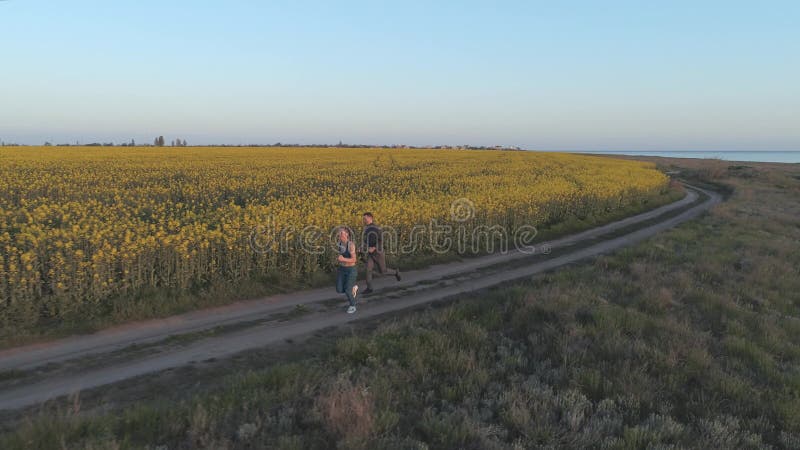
{"type": "Point", "coordinates": [373, 254]}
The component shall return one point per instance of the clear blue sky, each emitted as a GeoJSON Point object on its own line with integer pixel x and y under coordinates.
{"type": "Point", "coordinates": [566, 75]}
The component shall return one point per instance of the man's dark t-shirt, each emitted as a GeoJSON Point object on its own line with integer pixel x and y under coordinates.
{"type": "Point", "coordinates": [372, 236]}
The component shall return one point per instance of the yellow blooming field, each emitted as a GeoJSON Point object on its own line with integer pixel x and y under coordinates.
{"type": "Point", "coordinates": [79, 225]}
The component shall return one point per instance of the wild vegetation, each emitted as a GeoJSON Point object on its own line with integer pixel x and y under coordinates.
{"type": "Point", "coordinates": [688, 340]}
{"type": "Point", "coordinates": [89, 234]}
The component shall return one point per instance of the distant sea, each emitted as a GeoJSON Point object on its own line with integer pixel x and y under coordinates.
{"type": "Point", "coordinates": [762, 156]}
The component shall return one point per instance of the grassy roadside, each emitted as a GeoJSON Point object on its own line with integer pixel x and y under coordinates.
{"type": "Point", "coordinates": [690, 339]}
{"type": "Point", "coordinates": [159, 303]}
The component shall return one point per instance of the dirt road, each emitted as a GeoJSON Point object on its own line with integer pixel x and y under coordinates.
{"type": "Point", "coordinates": [53, 369]}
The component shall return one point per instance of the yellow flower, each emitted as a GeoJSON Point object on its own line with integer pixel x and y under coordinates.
{"type": "Point", "coordinates": [140, 216]}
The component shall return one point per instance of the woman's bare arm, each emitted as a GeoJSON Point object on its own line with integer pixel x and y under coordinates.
{"type": "Point", "coordinates": [353, 255]}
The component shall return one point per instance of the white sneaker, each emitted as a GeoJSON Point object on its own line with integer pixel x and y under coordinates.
{"type": "Point", "coordinates": [351, 310]}
{"type": "Point", "coordinates": [355, 290]}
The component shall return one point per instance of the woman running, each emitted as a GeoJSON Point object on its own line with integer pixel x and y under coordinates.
{"type": "Point", "coordinates": [347, 271]}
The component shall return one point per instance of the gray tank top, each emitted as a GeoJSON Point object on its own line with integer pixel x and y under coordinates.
{"type": "Point", "coordinates": [344, 249]}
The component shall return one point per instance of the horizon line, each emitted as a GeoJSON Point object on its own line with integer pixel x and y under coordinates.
{"type": "Point", "coordinates": [385, 146]}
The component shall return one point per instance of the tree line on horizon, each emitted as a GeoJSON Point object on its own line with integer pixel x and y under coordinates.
{"type": "Point", "coordinates": [161, 142]}
{"type": "Point", "coordinates": [157, 142]}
